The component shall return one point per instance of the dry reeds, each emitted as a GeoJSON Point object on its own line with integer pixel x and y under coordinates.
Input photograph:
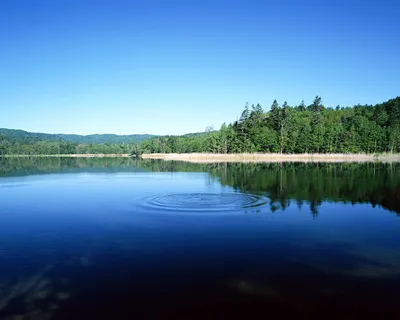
{"type": "Point", "coordinates": [273, 157]}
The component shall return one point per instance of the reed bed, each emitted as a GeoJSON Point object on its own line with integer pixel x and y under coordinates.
{"type": "Point", "coordinates": [273, 157]}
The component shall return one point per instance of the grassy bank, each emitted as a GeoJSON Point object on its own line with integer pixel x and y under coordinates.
{"type": "Point", "coordinates": [99, 155]}
{"type": "Point", "coordinates": [272, 157]}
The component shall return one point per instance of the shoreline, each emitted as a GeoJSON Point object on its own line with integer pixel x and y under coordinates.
{"type": "Point", "coordinates": [91, 155]}
{"type": "Point", "coordinates": [272, 157]}
{"type": "Point", "coordinates": [233, 157]}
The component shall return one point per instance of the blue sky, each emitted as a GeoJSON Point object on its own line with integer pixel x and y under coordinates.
{"type": "Point", "coordinates": [173, 67]}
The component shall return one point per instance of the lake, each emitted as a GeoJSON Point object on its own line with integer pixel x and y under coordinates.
{"type": "Point", "coordinates": [122, 238]}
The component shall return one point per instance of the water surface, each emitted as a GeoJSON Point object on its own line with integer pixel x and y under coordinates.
{"type": "Point", "coordinates": [120, 238]}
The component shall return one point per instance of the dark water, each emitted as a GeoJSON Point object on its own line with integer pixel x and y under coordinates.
{"type": "Point", "coordinates": [123, 239]}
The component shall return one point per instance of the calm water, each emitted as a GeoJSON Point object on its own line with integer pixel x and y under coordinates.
{"type": "Point", "coordinates": [119, 238]}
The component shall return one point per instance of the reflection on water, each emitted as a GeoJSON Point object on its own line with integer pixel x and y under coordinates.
{"type": "Point", "coordinates": [37, 296]}
{"type": "Point", "coordinates": [312, 184]}
{"type": "Point", "coordinates": [285, 184]}
{"type": "Point", "coordinates": [122, 238]}
{"type": "Point", "coordinates": [250, 288]}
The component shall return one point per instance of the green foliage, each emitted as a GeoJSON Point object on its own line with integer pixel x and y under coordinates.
{"type": "Point", "coordinates": [24, 147]}
{"type": "Point", "coordinates": [19, 135]}
{"type": "Point", "coordinates": [19, 142]}
{"type": "Point", "coordinates": [301, 129]}
{"type": "Point", "coordinates": [285, 129]}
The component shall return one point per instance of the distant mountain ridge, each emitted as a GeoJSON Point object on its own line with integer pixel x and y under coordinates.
{"type": "Point", "coordinates": [16, 134]}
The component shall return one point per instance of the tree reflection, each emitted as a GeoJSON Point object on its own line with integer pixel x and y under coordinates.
{"type": "Point", "coordinates": [312, 184]}
{"type": "Point", "coordinates": [308, 184]}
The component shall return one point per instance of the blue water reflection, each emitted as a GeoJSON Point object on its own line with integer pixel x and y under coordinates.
{"type": "Point", "coordinates": [107, 244]}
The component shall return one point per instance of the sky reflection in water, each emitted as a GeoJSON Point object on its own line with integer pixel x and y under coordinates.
{"type": "Point", "coordinates": [107, 237]}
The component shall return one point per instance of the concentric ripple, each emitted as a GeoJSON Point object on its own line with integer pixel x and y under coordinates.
{"type": "Point", "coordinates": [205, 201]}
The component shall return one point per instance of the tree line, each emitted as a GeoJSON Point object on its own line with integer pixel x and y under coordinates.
{"type": "Point", "coordinates": [10, 146]}
{"type": "Point", "coordinates": [282, 129]}
{"type": "Point", "coordinates": [83, 139]}
{"type": "Point", "coordinates": [296, 129]}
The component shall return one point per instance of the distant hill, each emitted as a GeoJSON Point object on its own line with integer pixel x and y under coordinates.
{"type": "Point", "coordinates": [13, 134]}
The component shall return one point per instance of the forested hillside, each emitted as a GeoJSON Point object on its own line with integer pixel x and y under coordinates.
{"type": "Point", "coordinates": [43, 147]}
{"type": "Point", "coordinates": [286, 129]}
{"type": "Point", "coordinates": [92, 138]}
{"type": "Point", "coordinates": [296, 129]}
{"type": "Point", "coordinates": [19, 142]}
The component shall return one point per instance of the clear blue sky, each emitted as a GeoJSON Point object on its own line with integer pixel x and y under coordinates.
{"type": "Point", "coordinates": [172, 67]}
